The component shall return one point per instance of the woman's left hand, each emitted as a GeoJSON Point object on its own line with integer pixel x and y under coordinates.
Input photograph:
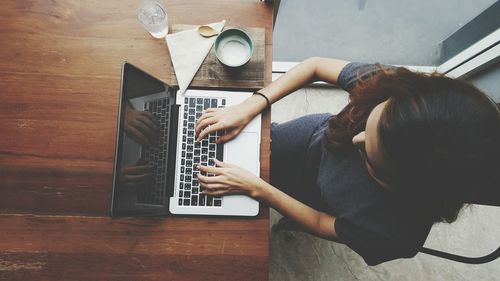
{"type": "Point", "coordinates": [229, 179]}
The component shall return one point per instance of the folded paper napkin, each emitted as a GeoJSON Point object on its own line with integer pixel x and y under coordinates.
{"type": "Point", "coordinates": [188, 50]}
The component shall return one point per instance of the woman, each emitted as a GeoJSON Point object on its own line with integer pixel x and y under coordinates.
{"type": "Point", "coordinates": [407, 151]}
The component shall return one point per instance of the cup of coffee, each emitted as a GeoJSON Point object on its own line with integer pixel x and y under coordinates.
{"type": "Point", "coordinates": [233, 47]}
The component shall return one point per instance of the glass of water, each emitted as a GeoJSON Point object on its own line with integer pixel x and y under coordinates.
{"type": "Point", "coordinates": [154, 18]}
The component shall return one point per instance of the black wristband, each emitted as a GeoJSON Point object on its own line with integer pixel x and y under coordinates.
{"type": "Point", "coordinates": [264, 96]}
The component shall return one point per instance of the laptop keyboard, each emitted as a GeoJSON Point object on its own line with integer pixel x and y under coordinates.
{"type": "Point", "coordinates": [195, 153]}
{"type": "Point", "coordinates": [156, 154]}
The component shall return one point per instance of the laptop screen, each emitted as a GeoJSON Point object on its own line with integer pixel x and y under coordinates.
{"type": "Point", "coordinates": [141, 172]}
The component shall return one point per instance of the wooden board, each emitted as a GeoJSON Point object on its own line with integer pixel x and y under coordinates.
{"type": "Point", "coordinates": [214, 74]}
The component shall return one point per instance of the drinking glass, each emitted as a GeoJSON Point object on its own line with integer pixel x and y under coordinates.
{"type": "Point", "coordinates": [154, 18]}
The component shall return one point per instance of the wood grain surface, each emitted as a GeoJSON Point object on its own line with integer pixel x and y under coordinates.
{"type": "Point", "coordinates": [59, 81]}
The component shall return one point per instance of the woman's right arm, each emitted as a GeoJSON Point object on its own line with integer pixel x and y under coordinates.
{"type": "Point", "coordinates": [234, 119]}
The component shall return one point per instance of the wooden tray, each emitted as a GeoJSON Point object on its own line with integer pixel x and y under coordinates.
{"type": "Point", "coordinates": [213, 74]}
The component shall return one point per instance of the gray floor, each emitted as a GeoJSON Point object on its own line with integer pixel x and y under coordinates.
{"type": "Point", "coordinates": [298, 256]}
{"type": "Point", "coordinates": [391, 31]}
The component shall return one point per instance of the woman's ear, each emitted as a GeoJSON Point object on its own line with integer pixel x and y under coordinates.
{"type": "Point", "coordinates": [359, 138]}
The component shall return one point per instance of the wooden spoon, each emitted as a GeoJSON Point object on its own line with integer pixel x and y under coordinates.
{"type": "Point", "coordinates": [207, 31]}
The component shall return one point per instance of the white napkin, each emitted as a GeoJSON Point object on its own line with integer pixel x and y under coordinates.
{"type": "Point", "coordinates": [188, 50]}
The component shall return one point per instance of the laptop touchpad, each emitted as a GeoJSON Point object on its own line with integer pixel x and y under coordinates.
{"type": "Point", "coordinates": [244, 151]}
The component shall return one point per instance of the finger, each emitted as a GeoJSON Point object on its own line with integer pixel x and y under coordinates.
{"type": "Point", "coordinates": [150, 116]}
{"type": "Point", "coordinates": [214, 186]}
{"type": "Point", "coordinates": [221, 164]}
{"type": "Point", "coordinates": [148, 121]}
{"type": "Point", "coordinates": [148, 133]}
{"type": "Point", "coordinates": [227, 136]}
{"type": "Point", "coordinates": [136, 135]}
{"type": "Point", "coordinates": [204, 116]}
{"type": "Point", "coordinates": [139, 169]}
{"type": "Point", "coordinates": [137, 178]}
{"type": "Point", "coordinates": [217, 192]}
{"type": "Point", "coordinates": [202, 125]}
{"type": "Point", "coordinates": [210, 109]}
{"type": "Point", "coordinates": [208, 180]}
{"type": "Point", "coordinates": [209, 169]}
{"type": "Point", "coordinates": [210, 129]}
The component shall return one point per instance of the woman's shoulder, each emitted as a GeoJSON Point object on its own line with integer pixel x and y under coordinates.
{"type": "Point", "coordinates": [358, 71]}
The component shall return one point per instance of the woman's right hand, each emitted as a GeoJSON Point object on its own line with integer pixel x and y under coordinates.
{"type": "Point", "coordinates": [231, 119]}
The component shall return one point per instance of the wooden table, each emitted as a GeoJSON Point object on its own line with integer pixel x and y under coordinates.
{"type": "Point", "coordinates": [59, 83]}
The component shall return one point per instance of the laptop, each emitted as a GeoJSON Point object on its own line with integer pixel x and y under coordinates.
{"type": "Point", "coordinates": [157, 152]}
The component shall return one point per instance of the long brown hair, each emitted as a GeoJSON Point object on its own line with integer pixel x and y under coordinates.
{"type": "Point", "coordinates": [440, 137]}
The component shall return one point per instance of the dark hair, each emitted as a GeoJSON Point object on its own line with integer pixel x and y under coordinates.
{"type": "Point", "coordinates": [440, 137]}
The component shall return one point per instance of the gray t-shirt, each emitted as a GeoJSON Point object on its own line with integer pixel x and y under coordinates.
{"type": "Point", "coordinates": [368, 219]}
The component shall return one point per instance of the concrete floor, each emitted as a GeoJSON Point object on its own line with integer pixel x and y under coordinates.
{"type": "Point", "coordinates": [391, 31]}
{"type": "Point", "coordinates": [299, 256]}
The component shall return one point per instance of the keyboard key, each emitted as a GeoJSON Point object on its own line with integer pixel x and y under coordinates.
{"type": "Point", "coordinates": [192, 102]}
{"type": "Point", "coordinates": [187, 194]}
{"type": "Point", "coordinates": [206, 103]}
{"type": "Point", "coordinates": [210, 200]}
{"type": "Point", "coordinates": [194, 200]}
{"type": "Point", "coordinates": [195, 190]}
{"type": "Point", "coordinates": [191, 119]}
{"type": "Point", "coordinates": [199, 100]}
{"type": "Point", "coordinates": [180, 201]}
{"type": "Point", "coordinates": [199, 108]}
{"type": "Point", "coordinates": [217, 202]}
{"type": "Point", "coordinates": [196, 152]}
{"type": "Point", "coordinates": [180, 193]}
{"type": "Point", "coordinates": [189, 155]}
{"type": "Point", "coordinates": [220, 152]}
{"type": "Point", "coordinates": [202, 200]}
{"type": "Point", "coordinates": [213, 103]}
{"type": "Point", "coordinates": [186, 202]}
{"type": "Point", "coordinates": [190, 140]}
{"type": "Point", "coordinates": [223, 102]}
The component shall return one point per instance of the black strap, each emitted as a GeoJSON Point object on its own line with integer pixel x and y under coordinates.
{"type": "Point", "coordinates": [264, 96]}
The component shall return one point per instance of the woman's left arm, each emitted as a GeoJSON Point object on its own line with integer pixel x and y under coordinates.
{"type": "Point", "coordinates": [231, 179]}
